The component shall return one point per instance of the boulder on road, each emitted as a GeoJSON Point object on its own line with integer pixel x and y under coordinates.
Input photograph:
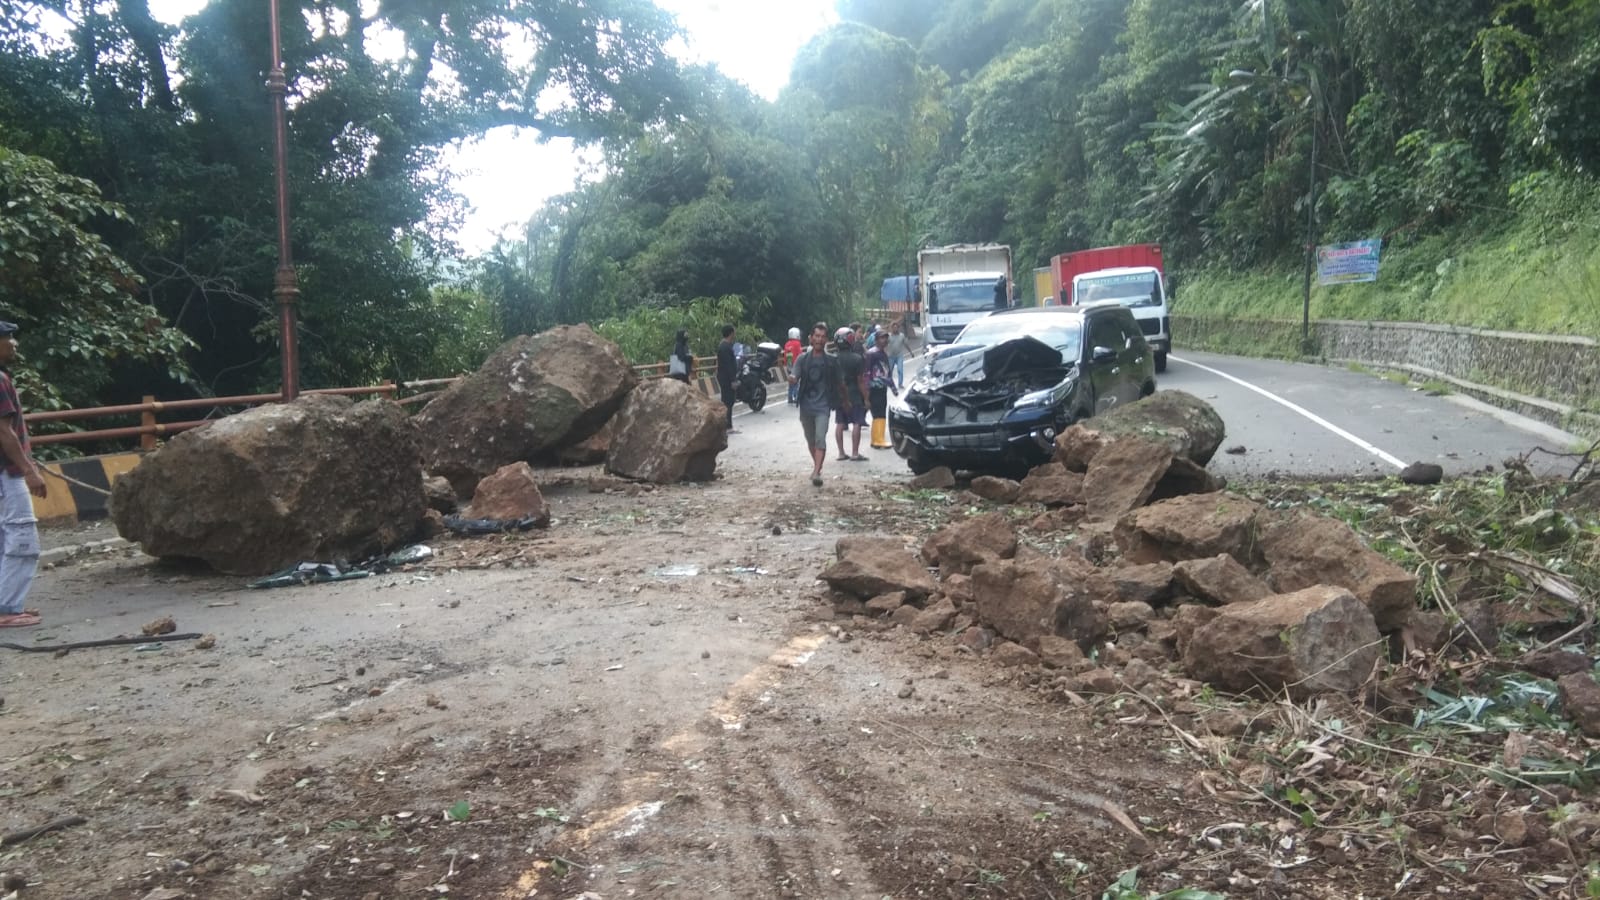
{"type": "Point", "coordinates": [1193, 526]}
{"type": "Point", "coordinates": [871, 566]}
{"type": "Point", "coordinates": [1185, 476]}
{"type": "Point", "coordinates": [1306, 550]}
{"type": "Point", "coordinates": [512, 492]}
{"type": "Point", "coordinates": [1183, 422]}
{"type": "Point", "coordinates": [667, 432]}
{"type": "Point", "coordinates": [319, 479]}
{"type": "Point", "coordinates": [1150, 583]}
{"type": "Point", "coordinates": [1318, 639]}
{"type": "Point", "coordinates": [957, 547]}
{"type": "Point", "coordinates": [438, 494]}
{"type": "Point", "coordinates": [534, 395]}
{"type": "Point", "coordinates": [1122, 477]}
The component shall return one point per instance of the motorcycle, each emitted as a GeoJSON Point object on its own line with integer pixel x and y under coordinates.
{"type": "Point", "coordinates": [755, 373]}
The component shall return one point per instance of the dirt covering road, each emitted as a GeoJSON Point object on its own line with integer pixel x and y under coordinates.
{"type": "Point", "coordinates": [655, 698]}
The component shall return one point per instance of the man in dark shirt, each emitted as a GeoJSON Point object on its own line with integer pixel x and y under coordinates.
{"type": "Point", "coordinates": [853, 404]}
{"type": "Point", "coordinates": [727, 372]}
{"type": "Point", "coordinates": [815, 377]}
{"type": "Point", "coordinates": [19, 530]}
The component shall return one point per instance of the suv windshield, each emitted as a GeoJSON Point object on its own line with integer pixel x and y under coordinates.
{"type": "Point", "coordinates": [962, 296]}
{"type": "Point", "coordinates": [1137, 289]}
{"type": "Point", "coordinates": [1065, 332]}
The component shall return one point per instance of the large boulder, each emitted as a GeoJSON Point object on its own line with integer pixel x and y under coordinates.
{"type": "Point", "coordinates": [870, 566]}
{"type": "Point", "coordinates": [1183, 422]}
{"type": "Point", "coordinates": [1318, 639]}
{"type": "Point", "coordinates": [532, 396]}
{"type": "Point", "coordinates": [320, 479]}
{"type": "Point", "coordinates": [667, 432]}
{"type": "Point", "coordinates": [957, 547]}
{"type": "Point", "coordinates": [1305, 550]}
{"type": "Point", "coordinates": [1193, 526]}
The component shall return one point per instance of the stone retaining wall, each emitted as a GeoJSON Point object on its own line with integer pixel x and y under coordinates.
{"type": "Point", "coordinates": [1557, 376]}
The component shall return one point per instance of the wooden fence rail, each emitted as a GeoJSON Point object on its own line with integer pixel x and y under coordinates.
{"type": "Point", "coordinates": [149, 431]}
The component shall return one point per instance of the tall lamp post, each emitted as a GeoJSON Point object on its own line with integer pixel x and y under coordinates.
{"type": "Point", "coordinates": [285, 283]}
{"type": "Point", "coordinates": [1311, 233]}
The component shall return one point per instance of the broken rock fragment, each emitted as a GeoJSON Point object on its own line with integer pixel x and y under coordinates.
{"type": "Point", "coordinates": [957, 547]}
{"type": "Point", "coordinates": [871, 566]}
{"type": "Point", "coordinates": [1219, 579]}
{"type": "Point", "coordinates": [512, 492]}
{"type": "Point", "coordinates": [1318, 639]}
{"type": "Point", "coordinates": [1305, 550]}
{"type": "Point", "coordinates": [1194, 526]}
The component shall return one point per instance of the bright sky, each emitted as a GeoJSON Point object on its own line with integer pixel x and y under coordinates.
{"type": "Point", "coordinates": [508, 174]}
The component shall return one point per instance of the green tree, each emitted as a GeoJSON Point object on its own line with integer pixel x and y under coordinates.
{"type": "Point", "coordinates": [76, 300]}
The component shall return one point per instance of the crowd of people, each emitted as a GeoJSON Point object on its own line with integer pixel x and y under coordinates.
{"type": "Point", "coordinates": [840, 380]}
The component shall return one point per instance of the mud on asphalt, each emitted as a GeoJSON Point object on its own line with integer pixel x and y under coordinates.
{"type": "Point", "coordinates": [651, 699]}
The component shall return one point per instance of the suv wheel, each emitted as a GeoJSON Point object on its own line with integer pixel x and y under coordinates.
{"type": "Point", "coordinates": [1161, 361]}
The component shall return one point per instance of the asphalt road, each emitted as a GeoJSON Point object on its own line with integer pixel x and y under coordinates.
{"type": "Point", "coordinates": [1297, 419]}
{"type": "Point", "coordinates": [1293, 419]}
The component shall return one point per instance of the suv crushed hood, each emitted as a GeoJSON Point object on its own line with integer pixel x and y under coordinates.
{"type": "Point", "coordinates": [961, 364]}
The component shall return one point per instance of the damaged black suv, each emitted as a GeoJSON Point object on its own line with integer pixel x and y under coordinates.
{"type": "Point", "coordinates": [996, 398]}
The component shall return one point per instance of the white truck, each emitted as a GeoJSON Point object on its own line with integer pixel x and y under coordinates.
{"type": "Point", "coordinates": [962, 282]}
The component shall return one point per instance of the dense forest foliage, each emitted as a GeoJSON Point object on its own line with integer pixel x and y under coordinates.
{"type": "Point", "coordinates": [135, 166]}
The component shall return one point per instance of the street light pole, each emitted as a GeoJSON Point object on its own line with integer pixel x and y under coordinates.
{"type": "Point", "coordinates": [285, 283]}
{"type": "Point", "coordinates": [1311, 236]}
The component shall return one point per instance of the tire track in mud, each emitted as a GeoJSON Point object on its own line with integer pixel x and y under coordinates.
{"type": "Point", "coordinates": [720, 807]}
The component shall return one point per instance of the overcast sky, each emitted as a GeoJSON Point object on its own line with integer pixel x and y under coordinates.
{"type": "Point", "coordinates": [507, 175]}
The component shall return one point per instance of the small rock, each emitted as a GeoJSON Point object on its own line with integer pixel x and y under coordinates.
{"type": "Point", "coordinates": [1236, 450]}
{"type": "Point", "coordinates": [1226, 722]}
{"type": "Point", "coordinates": [1580, 697]}
{"type": "Point", "coordinates": [705, 654]}
{"type": "Point", "coordinates": [206, 642]}
{"type": "Point", "coordinates": [1422, 473]}
{"type": "Point", "coordinates": [1511, 828]}
{"type": "Point", "coordinates": [15, 882]}
{"type": "Point", "coordinates": [1554, 663]}
{"type": "Point", "coordinates": [163, 625]}
{"type": "Point", "coordinates": [905, 692]}
{"type": "Point", "coordinates": [1000, 490]}
{"type": "Point", "coordinates": [1007, 653]}
{"type": "Point", "coordinates": [936, 478]}
{"type": "Point", "coordinates": [884, 604]}
{"type": "Point", "coordinates": [1094, 681]}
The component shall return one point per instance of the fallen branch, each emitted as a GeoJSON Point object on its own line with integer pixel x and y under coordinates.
{"type": "Point", "coordinates": [104, 642]}
{"type": "Point", "coordinates": [28, 834]}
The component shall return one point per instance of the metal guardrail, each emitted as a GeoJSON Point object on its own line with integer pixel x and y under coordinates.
{"type": "Point", "coordinates": [149, 431]}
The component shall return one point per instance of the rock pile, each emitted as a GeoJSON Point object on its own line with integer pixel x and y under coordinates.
{"type": "Point", "coordinates": [1166, 571]}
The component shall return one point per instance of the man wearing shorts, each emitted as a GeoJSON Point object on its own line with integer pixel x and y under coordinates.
{"type": "Point", "coordinates": [815, 377]}
{"type": "Point", "coordinates": [852, 410]}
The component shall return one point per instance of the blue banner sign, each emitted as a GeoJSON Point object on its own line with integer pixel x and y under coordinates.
{"type": "Point", "coordinates": [1348, 263]}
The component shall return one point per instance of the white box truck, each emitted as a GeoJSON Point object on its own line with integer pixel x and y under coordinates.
{"type": "Point", "coordinates": [962, 282]}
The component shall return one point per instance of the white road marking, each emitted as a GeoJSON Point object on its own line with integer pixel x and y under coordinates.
{"type": "Point", "coordinates": [1293, 407]}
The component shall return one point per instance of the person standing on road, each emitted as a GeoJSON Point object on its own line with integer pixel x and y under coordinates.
{"type": "Point", "coordinates": [681, 364]}
{"type": "Point", "coordinates": [897, 352]}
{"type": "Point", "coordinates": [791, 353]}
{"type": "Point", "coordinates": [853, 405]}
{"type": "Point", "coordinates": [815, 381]}
{"type": "Point", "coordinates": [880, 381]}
{"type": "Point", "coordinates": [727, 373]}
{"type": "Point", "coordinates": [19, 529]}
